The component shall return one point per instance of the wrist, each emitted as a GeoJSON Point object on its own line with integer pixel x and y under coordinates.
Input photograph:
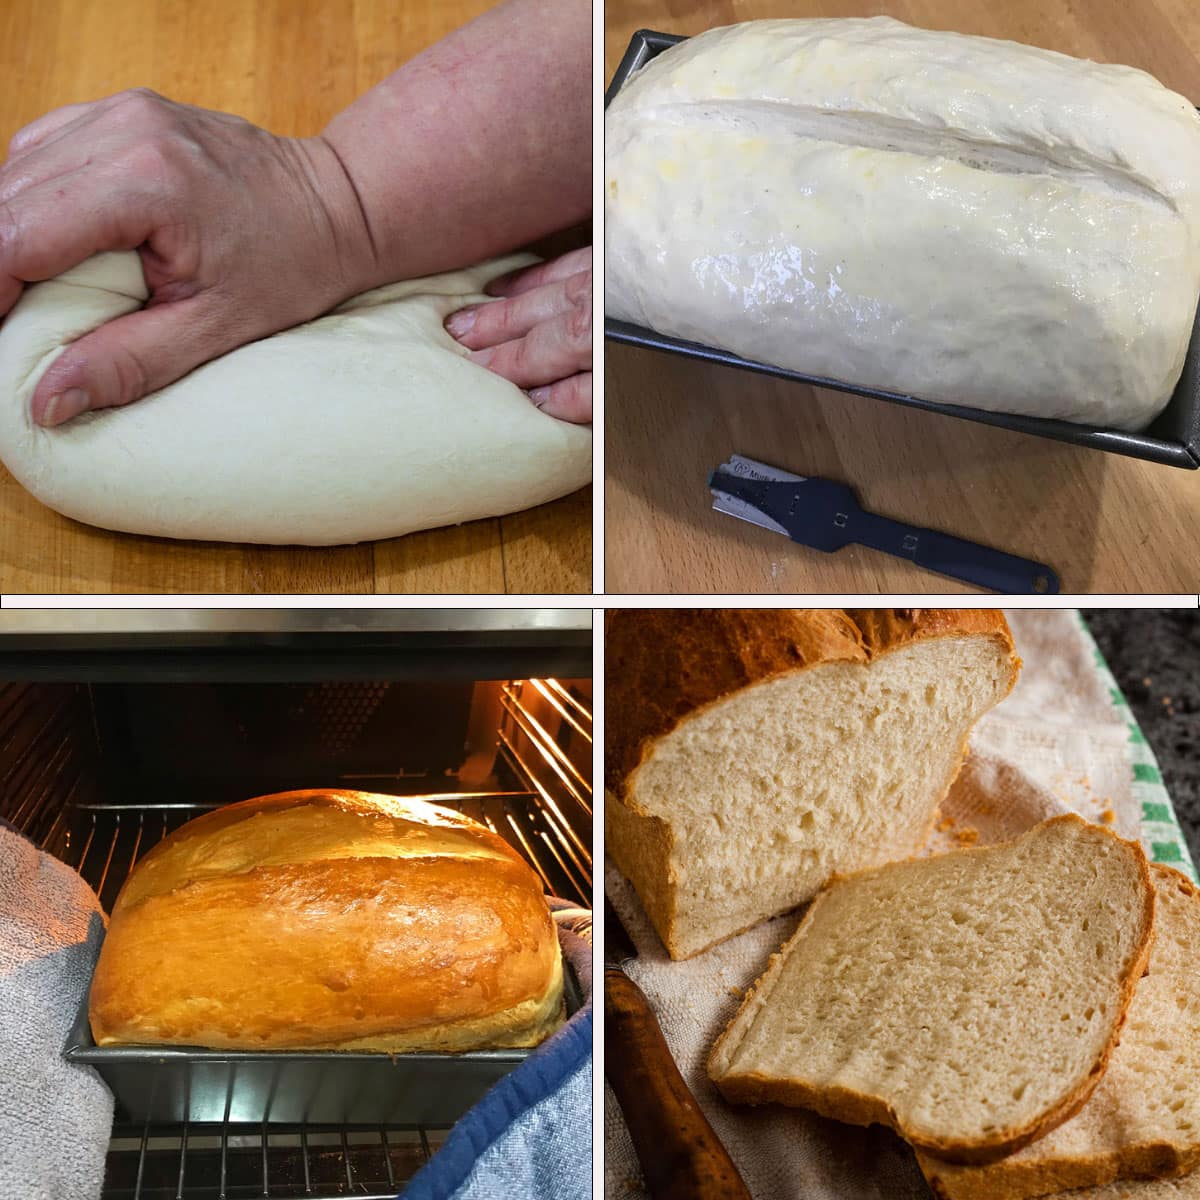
{"type": "Point", "coordinates": [347, 219]}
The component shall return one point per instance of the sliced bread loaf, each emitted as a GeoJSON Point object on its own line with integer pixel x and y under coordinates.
{"type": "Point", "coordinates": [1144, 1118]}
{"type": "Point", "coordinates": [970, 1001]}
{"type": "Point", "coordinates": [752, 753]}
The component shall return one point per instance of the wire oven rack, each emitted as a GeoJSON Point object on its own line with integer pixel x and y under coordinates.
{"type": "Point", "coordinates": [230, 1161]}
{"type": "Point", "coordinates": [237, 1162]}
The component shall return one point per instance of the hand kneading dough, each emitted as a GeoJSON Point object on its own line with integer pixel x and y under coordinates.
{"type": "Point", "coordinates": [366, 423]}
{"type": "Point", "coordinates": [957, 218]}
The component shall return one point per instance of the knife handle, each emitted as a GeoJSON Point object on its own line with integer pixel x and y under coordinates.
{"type": "Point", "coordinates": [681, 1156]}
{"type": "Point", "coordinates": [956, 557]}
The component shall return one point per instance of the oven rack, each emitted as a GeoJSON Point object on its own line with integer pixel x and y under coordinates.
{"type": "Point", "coordinates": [232, 1161]}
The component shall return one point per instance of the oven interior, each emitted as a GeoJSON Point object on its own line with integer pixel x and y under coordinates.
{"type": "Point", "coordinates": [99, 772]}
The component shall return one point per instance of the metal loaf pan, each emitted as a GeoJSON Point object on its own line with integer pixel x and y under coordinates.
{"type": "Point", "coordinates": [177, 1084]}
{"type": "Point", "coordinates": [1173, 439]}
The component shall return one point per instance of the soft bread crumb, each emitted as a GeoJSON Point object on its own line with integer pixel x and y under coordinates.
{"type": "Point", "coordinates": [1148, 1097]}
{"type": "Point", "coordinates": [770, 791]}
{"type": "Point", "coordinates": [968, 1000]}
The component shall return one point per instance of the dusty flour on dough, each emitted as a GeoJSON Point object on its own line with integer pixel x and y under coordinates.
{"type": "Point", "coordinates": [366, 423]}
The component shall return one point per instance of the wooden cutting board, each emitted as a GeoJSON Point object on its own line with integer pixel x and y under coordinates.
{"type": "Point", "coordinates": [1105, 523]}
{"type": "Point", "coordinates": [287, 65]}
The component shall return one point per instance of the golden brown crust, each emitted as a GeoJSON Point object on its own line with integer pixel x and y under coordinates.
{"type": "Point", "coordinates": [859, 1108]}
{"type": "Point", "coordinates": [431, 936]}
{"type": "Point", "coordinates": [1017, 1180]}
{"type": "Point", "coordinates": [663, 665]}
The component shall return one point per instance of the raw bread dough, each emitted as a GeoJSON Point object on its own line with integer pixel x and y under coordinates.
{"type": "Point", "coordinates": [366, 423]}
{"type": "Point", "coordinates": [957, 218]}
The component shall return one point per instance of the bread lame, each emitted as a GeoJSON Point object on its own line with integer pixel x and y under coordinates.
{"type": "Point", "coordinates": [827, 516]}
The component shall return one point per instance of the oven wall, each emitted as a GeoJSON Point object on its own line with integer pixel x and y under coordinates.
{"type": "Point", "coordinates": [49, 758]}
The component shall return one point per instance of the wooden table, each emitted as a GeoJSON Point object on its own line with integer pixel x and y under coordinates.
{"type": "Point", "coordinates": [288, 65]}
{"type": "Point", "coordinates": [1105, 523]}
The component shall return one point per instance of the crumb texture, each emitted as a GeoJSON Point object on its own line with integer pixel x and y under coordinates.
{"type": "Point", "coordinates": [1144, 1117]}
{"type": "Point", "coordinates": [825, 745]}
{"type": "Point", "coordinates": [967, 1000]}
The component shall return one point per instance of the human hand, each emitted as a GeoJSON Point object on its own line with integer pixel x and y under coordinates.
{"type": "Point", "coordinates": [241, 234]}
{"type": "Point", "coordinates": [539, 335]}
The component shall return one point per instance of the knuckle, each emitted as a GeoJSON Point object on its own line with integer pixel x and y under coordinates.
{"type": "Point", "coordinates": [518, 354]}
{"type": "Point", "coordinates": [143, 98]}
{"type": "Point", "coordinates": [140, 107]}
{"type": "Point", "coordinates": [8, 230]}
{"type": "Point", "coordinates": [579, 326]}
{"type": "Point", "coordinates": [128, 378]}
{"type": "Point", "coordinates": [578, 287]}
{"type": "Point", "coordinates": [493, 322]}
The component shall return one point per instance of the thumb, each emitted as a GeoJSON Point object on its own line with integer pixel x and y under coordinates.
{"type": "Point", "coordinates": [130, 357]}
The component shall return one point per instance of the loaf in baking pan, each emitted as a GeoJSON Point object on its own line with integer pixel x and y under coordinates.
{"type": "Point", "coordinates": [957, 218]}
{"type": "Point", "coordinates": [1143, 1120]}
{"type": "Point", "coordinates": [332, 920]}
{"type": "Point", "coordinates": [752, 753]}
{"type": "Point", "coordinates": [971, 1001]}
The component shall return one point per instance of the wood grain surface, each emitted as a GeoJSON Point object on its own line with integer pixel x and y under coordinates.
{"type": "Point", "coordinates": [287, 65]}
{"type": "Point", "coordinates": [1105, 523]}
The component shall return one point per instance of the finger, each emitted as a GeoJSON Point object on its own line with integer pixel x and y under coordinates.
{"type": "Point", "coordinates": [568, 399]}
{"type": "Point", "coordinates": [539, 274]}
{"type": "Point", "coordinates": [48, 229]}
{"type": "Point", "coordinates": [36, 169]}
{"type": "Point", "coordinates": [554, 350]}
{"type": "Point", "coordinates": [132, 356]}
{"type": "Point", "coordinates": [37, 131]}
{"type": "Point", "coordinates": [483, 325]}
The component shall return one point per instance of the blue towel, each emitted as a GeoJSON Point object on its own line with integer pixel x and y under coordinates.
{"type": "Point", "coordinates": [530, 1137]}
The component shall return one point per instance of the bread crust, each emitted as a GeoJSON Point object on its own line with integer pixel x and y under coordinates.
{"type": "Point", "coordinates": [663, 667]}
{"type": "Point", "coordinates": [330, 920]}
{"type": "Point", "coordinates": [1014, 1180]}
{"type": "Point", "coordinates": [860, 1108]}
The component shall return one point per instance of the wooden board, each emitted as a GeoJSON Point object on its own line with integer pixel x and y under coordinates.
{"type": "Point", "coordinates": [287, 65]}
{"type": "Point", "coordinates": [1105, 523]}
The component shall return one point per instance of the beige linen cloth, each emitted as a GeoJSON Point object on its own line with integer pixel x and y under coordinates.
{"type": "Point", "coordinates": [1057, 743]}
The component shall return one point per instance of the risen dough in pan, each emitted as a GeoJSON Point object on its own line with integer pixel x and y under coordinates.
{"type": "Point", "coordinates": [961, 219]}
{"type": "Point", "coordinates": [366, 423]}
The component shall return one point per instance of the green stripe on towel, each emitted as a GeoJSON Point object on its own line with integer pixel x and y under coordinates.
{"type": "Point", "coordinates": [1161, 836]}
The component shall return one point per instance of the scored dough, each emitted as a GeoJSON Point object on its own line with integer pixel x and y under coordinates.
{"type": "Point", "coordinates": [965, 220]}
{"type": "Point", "coordinates": [366, 423]}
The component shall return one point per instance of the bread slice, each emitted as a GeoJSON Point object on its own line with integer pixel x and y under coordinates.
{"type": "Point", "coordinates": [1186, 1188]}
{"type": "Point", "coordinates": [752, 753]}
{"type": "Point", "coordinates": [970, 1001]}
{"type": "Point", "coordinates": [1144, 1118]}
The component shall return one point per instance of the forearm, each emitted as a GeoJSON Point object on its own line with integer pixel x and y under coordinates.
{"type": "Point", "coordinates": [476, 146]}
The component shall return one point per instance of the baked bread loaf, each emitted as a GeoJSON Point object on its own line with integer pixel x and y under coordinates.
{"type": "Point", "coordinates": [330, 920]}
{"type": "Point", "coordinates": [1144, 1117]}
{"type": "Point", "coordinates": [751, 753]}
{"type": "Point", "coordinates": [958, 218]}
{"type": "Point", "coordinates": [971, 1001]}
